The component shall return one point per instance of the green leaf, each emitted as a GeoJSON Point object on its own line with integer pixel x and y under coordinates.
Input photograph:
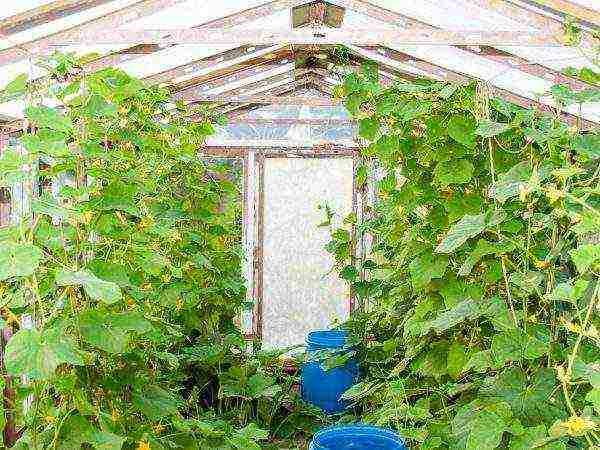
{"type": "Point", "coordinates": [110, 332]}
{"type": "Point", "coordinates": [75, 431]}
{"type": "Point", "coordinates": [49, 206]}
{"type": "Point", "coordinates": [462, 130]}
{"type": "Point", "coordinates": [453, 172]}
{"type": "Point", "coordinates": [516, 345]}
{"type": "Point", "coordinates": [479, 426]}
{"type": "Point", "coordinates": [479, 362]}
{"type": "Point", "coordinates": [509, 183]}
{"type": "Point", "coordinates": [456, 360]}
{"type": "Point", "coordinates": [102, 440]}
{"type": "Point", "coordinates": [368, 128]}
{"type": "Point", "coordinates": [482, 249]}
{"type": "Point", "coordinates": [593, 397]}
{"type": "Point", "coordinates": [245, 439]}
{"type": "Point", "coordinates": [587, 145]}
{"type": "Point", "coordinates": [569, 292]}
{"type": "Point", "coordinates": [48, 142]}
{"type": "Point", "coordinates": [487, 128]}
{"type": "Point", "coordinates": [14, 167]}
{"type": "Point", "coordinates": [468, 309]}
{"type": "Point", "coordinates": [534, 437]}
{"type": "Point", "coordinates": [447, 91]}
{"type": "Point", "coordinates": [349, 273]}
{"type": "Point", "coordinates": [37, 354]}
{"type": "Point", "coordinates": [97, 106]}
{"type": "Point", "coordinates": [96, 288]}
{"type": "Point", "coordinates": [155, 402]}
{"type": "Point", "coordinates": [589, 372]}
{"type": "Point", "coordinates": [529, 282]}
{"type": "Point", "coordinates": [585, 256]}
{"type": "Point", "coordinates": [589, 223]}
{"type": "Point", "coordinates": [260, 385]}
{"type": "Point", "coordinates": [15, 88]}
{"type": "Point", "coordinates": [51, 118]}
{"type": "Point", "coordinates": [101, 333]}
{"type": "Point", "coordinates": [18, 260]}
{"type": "Point", "coordinates": [526, 395]}
{"type": "Point", "coordinates": [467, 227]}
{"type": "Point", "coordinates": [426, 267]}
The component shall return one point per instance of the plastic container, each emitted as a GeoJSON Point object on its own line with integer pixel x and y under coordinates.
{"type": "Point", "coordinates": [323, 388]}
{"type": "Point", "coordinates": [357, 437]}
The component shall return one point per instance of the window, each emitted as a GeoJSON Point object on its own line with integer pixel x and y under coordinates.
{"type": "Point", "coordinates": [5, 207]}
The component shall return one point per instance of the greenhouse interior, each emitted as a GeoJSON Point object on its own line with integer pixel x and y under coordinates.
{"type": "Point", "coordinates": [300, 224]}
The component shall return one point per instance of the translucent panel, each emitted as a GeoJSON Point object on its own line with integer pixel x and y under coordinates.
{"type": "Point", "coordinates": [192, 13]}
{"type": "Point", "coordinates": [463, 15]}
{"type": "Point", "coordinates": [496, 73]}
{"type": "Point", "coordinates": [180, 55]}
{"type": "Point", "coordinates": [64, 23]}
{"type": "Point", "coordinates": [452, 14]}
{"type": "Point", "coordinates": [298, 294]}
{"type": "Point", "coordinates": [264, 74]}
{"type": "Point", "coordinates": [335, 124]}
{"type": "Point", "coordinates": [241, 131]}
{"type": "Point", "coordinates": [556, 58]}
{"type": "Point", "coordinates": [591, 4]}
{"type": "Point", "coordinates": [14, 7]}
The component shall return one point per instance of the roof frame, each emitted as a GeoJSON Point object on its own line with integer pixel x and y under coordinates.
{"type": "Point", "coordinates": [45, 13]}
{"type": "Point", "coordinates": [444, 74]}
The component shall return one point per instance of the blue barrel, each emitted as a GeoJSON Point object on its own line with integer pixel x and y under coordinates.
{"type": "Point", "coordinates": [357, 437]}
{"type": "Point", "coordinates": [323, 388]}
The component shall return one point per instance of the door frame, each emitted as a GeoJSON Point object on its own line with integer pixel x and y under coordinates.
{"type": "Point", "coordinates": [253, 216]}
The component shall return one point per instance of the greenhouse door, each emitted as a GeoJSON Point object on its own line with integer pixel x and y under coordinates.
{"type": "Point", "coordinates": [298, 294]}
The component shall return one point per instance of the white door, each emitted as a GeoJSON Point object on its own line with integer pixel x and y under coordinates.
{"type": "Point", "coordinates": [299, 294]}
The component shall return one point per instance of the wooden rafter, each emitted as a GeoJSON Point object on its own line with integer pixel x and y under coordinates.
{"type": "Point", "coordinates": [110, 21]}
{"type": "Point", "coordinates": [44, 14]}
{"type": "Point", "coordinates": [315, 36]}
{"type": "Point", "coordinates": [565, 8]}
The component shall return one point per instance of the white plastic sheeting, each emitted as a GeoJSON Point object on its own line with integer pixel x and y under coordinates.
{"type": "Point", "coordinates": [298, 295]}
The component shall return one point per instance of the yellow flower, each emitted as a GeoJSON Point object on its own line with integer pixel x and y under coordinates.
{"type": "Point", "coordinates": [576, 426]}
{"type": "Point", "coordinates": [166, 277]}
{"type": "Point", "coordinates": [541, 264]}
{"type": "Point", "coordinates": [554, 194]}
{"type": "Point", "coordinates": [146, 222]}
{"type": "Point", "coordinates": [573, 327]}
{"type": "Point", "coordinates": [115, 415]}
{"type": "Point", "coordinates": [144, 446]}
{"type": "Point", "coordinates": [50, 419]}
{"type": "Point", "coordinates": [524, 190]}
{"type": "Point", "coordinates": [179, 304]}
{"type": "Point", "coordinates": [158, 428]}
{"type": "Point", "coordinates": [87, 216]}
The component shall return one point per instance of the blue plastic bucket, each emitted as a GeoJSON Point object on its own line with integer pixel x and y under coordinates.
{"type": "Point", "coordinates": [357, 437]}
{"type": "Point", "coordinates": [323, 388]}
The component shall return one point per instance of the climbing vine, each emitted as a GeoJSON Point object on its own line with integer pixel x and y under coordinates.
{"type": "Point", "coordinates": [122, 283]}
{"type": "Point", "coordinates": [481, 289]}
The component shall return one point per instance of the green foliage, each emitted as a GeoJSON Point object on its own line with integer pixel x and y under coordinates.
{"type": "Point", "coordinates": [481, 289]}
{"type": "Point", "coordinates": [131, 279]}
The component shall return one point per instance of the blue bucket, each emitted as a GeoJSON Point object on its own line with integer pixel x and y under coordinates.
{"type": "Point", "coordinates": [323, 388]}
{"type": "Point", "coordinates": [357, 437]}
